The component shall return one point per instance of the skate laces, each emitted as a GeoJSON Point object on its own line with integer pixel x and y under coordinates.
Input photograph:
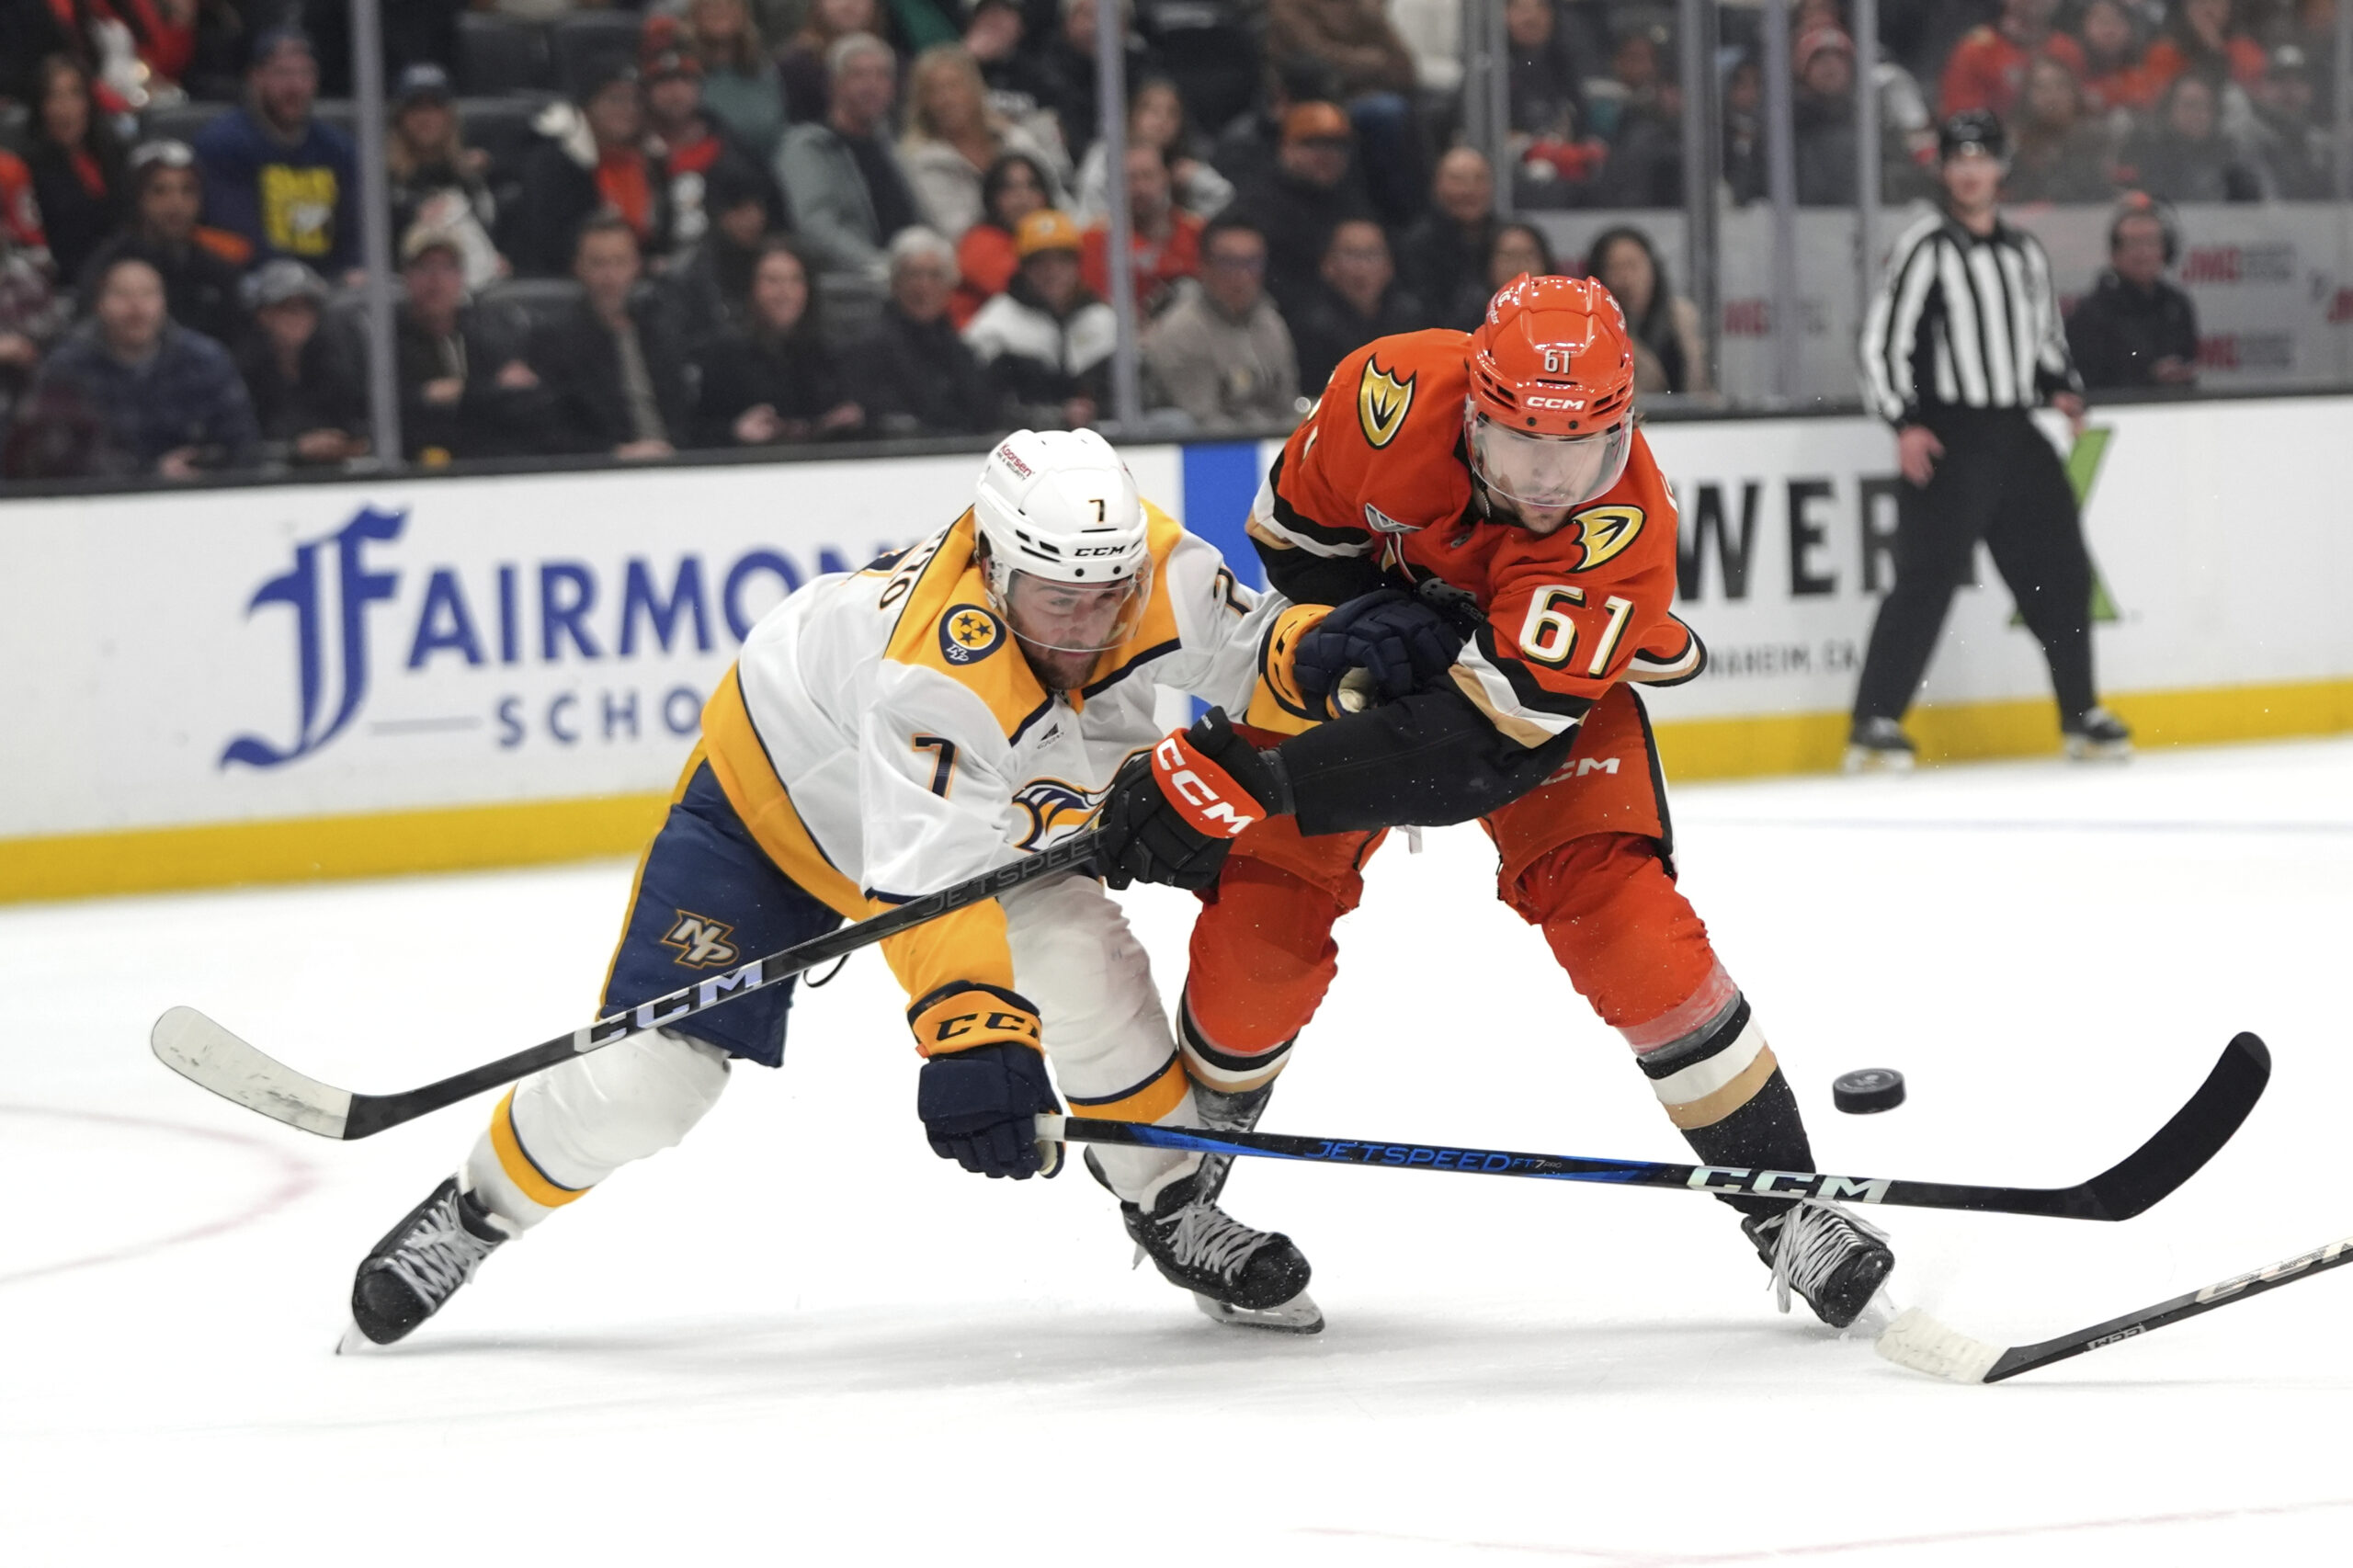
{"type": "Point", "coordinates": [439, 1256]}
{"type": "Point", "coordinates": [1205, 1236]}
{"type": "Point", "coordinates": [1811, 1238]}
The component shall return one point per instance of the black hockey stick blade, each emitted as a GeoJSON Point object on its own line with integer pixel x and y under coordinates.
{"type": "Point", "coordinates": [2171, 1157]}
{"type": "Point", "coordinates": [202, 1051]}
{"type": "Point", "coordinates": [1918, 1341]}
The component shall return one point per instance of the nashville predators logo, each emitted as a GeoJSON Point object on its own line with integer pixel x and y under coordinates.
{"type": "Point", "coordinates": [1050, 808]}
{"type": "Point", "coordinates": [1381, 402]}
{"type": "Point", "coordinates": [1604, 531]}
{"type": "Point", "coordinates": [703, 942]}
{"type": "Point", "coordinates": [969, 634]}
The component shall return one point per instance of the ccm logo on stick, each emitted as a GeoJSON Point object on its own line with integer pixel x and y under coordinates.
{"type": "Point", "coordinates": [1788, 1184]}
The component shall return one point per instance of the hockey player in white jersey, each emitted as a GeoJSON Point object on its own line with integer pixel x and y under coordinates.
{"type": "Point", "coordinates": [885, 733]}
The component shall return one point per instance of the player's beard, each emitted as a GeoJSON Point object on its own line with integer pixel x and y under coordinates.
{"type": "Point", "coordinates": [1057, 670]}
{"type": "Point", "coordinates": [1538, 520]}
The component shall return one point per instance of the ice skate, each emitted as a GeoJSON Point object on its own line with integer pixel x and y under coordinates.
{"type": "Point", "coordinates": [414, 1270]}
{"type": "Point", "coordinates": [2098, 736]}
{"type": "Point", "coordinates": [1880, 745]}
{"type": "Point", "coordinates": [1222, 1112]}
{"type": "Point", "coordinates": [1247, 1277]}
{"type": "Point", "coordinates": [1825, 1255]}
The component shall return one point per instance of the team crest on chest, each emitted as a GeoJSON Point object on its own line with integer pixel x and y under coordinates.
{"type": "Point", "coordinates": [1604, 531]}
{"type": "Point", "coordinates": [969, 633]}
{"type": "Point", "coordinates": [1381, 402]}
{"type": "Point", "coordinates": [703, 942]}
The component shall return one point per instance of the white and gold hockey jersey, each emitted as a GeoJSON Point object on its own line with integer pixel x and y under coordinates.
{"type": "Point", "coordinates": [884, 738]}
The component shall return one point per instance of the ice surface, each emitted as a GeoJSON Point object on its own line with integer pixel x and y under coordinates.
{"type": "Point", "coordinates": [800, 1339]}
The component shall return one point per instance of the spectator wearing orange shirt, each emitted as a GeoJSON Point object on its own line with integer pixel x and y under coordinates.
{"type": "Point", "coordinates": [2199, 36]}
{"type": "Point", "coordinates": [2112, 49]}
{"type": "Point", "coordinates": [597, 162]}
{"type": "Point", "coordinates": [1164, 240]}
{"type": "Point", "coordinates": [1016, 186]}
{"type": "Point", "coordinates": [1987, 68]}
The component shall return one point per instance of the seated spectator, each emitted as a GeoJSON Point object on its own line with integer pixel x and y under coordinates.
{"type": "Point", "coordinates": [1298, 203]}
{"type": "Point", "coordinates": [286, 182]}
{"type": "Point", "coordinates": [1432, 33]}
{"type": "Point", "coordinates": [1358, 302]}
{"type": "Point", "coordinates": [76, 168]}
{"type": "Point", "coordinates": [1156, 120]}
{"type": "Point", "coordinates": [132, 55]}
{"type": "Point", "coordinates": [1016, 186]}
{"type": "Point", "coordinates": [801, 64]}
{"type": "Point", "coordinates": [1548, 113]}
{"type": "Point", "coordinates": [202, 268]}
{"type": "Point", "coordinates": [953, 138]}
{"type": "Point", "coordinates": [848, 191]}
{"type": "Point", "coordinates": [466, 389]}
{"type": "Point", "coordinates": [685, 139]}
{"type": "Point", "coordinates": [33, 316]}
{"type": "Point", "coordinates": [1062, 68]}
{"type": "Point", "coordinates": [1744, 139]}
{"type": "Point", "coordinates": [165, 400]}
{"type": "Point", "coordinates": [1645, 163]}
{"type": "Point", "coordinates": [308, 401]}
{"type": "Point", "coordinates": [1669, 354]}
{"type": "Point", "coordinates": [1046, 342]}
{"type": "Point", "coordinates": [1248, 146]}
{"type": "Point", "coordinates": [2201, 37]}
{"type": "Point", "coordinates": [2135, 329]}
{"type": "Point", "coordinates": [773, 382]}
{"type": "Point", "coordinates": [1223, 353]}
{"type": "Point", "coordinates": [1824, 117]}
{"type": "Point", "coordinates": [2112, 49]}
{"type": "Point", "coordinates": [2293, 151]}
{"type": "Point", "coordinates": [20, 209]}
{"type": "Point", "coordinates": [714, 281]}
{"type": "Point", "coordinates": [1164, 240]}
{"type": "Point", "coordinates": [437, 181]}
{"type": "Point", "coordinates": [1442, 259]}
{"type": "Point", "coordinates": [614, 364]}
{"type": "Point", "coordinates": [2315, 31]}
{"type": "Point", "coordinates": [1355, 40]}
{"type": "Point", "coordinates": [1987, 68]}
{"type": "Point", "coordinates": [1518, 248]}
{"type": "Point", "coordinates": [595, 162]}
{"type": "Point", "coordinates": [917, 376]}
{"type": "Point", "coordinates": [2184, 156]}
{"type": "Point", "coordinates": [2057, 154]}
{"type": "Point", "coordinates": [741, 85]}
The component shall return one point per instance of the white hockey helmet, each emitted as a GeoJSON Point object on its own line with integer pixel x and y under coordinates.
{"type": "Point", "coordinates": [1058, 508]}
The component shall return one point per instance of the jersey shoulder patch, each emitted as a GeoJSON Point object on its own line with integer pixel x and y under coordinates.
{"type": "Point", "coordinates": [1378, 455]}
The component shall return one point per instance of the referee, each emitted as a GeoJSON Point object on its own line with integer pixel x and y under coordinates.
{"type": "Point", "coordinates": [1961, 342]}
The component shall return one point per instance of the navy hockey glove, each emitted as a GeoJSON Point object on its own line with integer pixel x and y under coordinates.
{"type": "Point", "coordinates": [1402, 643]}
{"type": "Point", "coordinates": [1173, 811]}
{"type": "Point", "coordinates": [976, 1107]}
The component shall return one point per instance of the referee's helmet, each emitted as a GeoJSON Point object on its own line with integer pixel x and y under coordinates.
{"type": "Point", "coordinates": [1977, 131]}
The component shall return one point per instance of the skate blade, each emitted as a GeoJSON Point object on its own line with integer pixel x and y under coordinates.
{"type": "Point", "coordinates": [2098, 751]}
{"type": "Point", "coordinates": [354, 1343]}
{"type": "Point", "coordinates": [1866, 759]}
{"type": "Point", "coordinates": [1298, 1315]}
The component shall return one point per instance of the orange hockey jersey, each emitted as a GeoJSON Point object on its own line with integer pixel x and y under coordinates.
{"type": "Point", "coordinates": [1379, 473]}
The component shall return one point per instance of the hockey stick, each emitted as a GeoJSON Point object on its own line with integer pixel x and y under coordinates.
{"type": "Point", "coordinates": [2136, 1183]}
{"type": "Point", "coordinates": [202, 1051]}
{"type": "Point", "coordinates": [1918, 1341]}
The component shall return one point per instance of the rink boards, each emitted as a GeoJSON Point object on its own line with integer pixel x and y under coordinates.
{"type": "Point", "coordinates": [282, 682]}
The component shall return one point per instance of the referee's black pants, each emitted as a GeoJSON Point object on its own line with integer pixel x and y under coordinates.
{"type": "Point", "coordinates": [1998, 481]}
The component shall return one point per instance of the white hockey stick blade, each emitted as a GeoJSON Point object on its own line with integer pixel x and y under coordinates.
{"type": "Point", "coordinates": [1918, 1341]}
{"type": "Point", "coordinates": [203, 1052]}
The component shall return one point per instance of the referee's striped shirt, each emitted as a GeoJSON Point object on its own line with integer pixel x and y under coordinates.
{"type": "Point", "coordinates": [1964, 322]}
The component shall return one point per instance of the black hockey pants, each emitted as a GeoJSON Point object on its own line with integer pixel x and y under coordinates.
{"type": "Point", "coordinates": [1998, 481]}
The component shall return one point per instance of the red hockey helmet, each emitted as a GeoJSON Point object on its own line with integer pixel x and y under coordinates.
{"type": "Point", "coordinates": [1550, 418]}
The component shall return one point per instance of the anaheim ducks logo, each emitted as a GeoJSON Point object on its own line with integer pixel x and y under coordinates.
{"type": "Point", "coordinates": [703, 942]}
{"type": "Point", "coordinates": [969, 634]}
{"type": "Point", "coordinates": [1381, 402]}
{"type": "Point", "coordinates": [1052, 808]}
{"type": "Point", "coordinates": [1604, 532]}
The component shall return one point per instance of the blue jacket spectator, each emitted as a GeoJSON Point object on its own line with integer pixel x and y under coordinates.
{"type": "Point", "coordinates": [162, 399]}
{"type": "Point", "coordinates": [274, 175]}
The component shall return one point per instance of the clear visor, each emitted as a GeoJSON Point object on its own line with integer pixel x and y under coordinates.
{"type": "Point", "coordinates": [1547, 472]}
{"type": "Point", "coordinates": [1076, 617]}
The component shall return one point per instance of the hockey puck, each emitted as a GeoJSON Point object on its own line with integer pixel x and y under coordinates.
{"type": "Point", "coordinates": [1870, 1089]}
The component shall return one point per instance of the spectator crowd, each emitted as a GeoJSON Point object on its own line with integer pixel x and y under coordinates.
{"type": "Point", "coordinates": [742, 223]}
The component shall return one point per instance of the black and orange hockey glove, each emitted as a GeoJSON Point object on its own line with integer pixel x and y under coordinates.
{"type": "Point", "coordinates": [1175, 811]}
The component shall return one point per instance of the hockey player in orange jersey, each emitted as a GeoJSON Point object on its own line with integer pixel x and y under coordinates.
{"type": "Point", "coordinates": [1495, 486]}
